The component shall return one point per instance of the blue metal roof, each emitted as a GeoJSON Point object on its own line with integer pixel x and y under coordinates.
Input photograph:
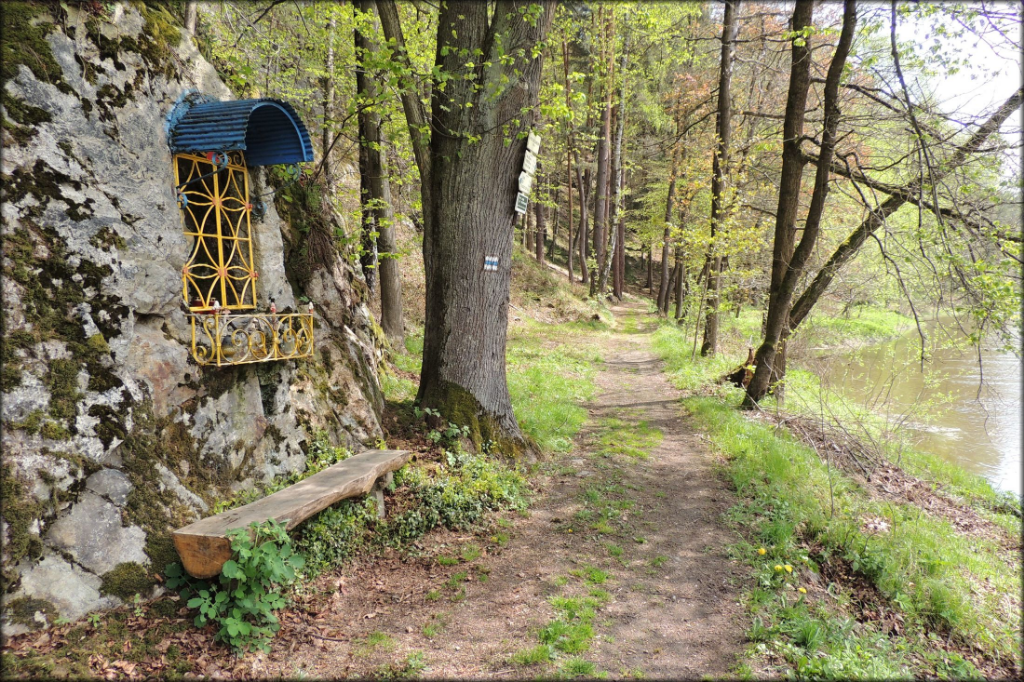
{"type": "Point", "coordinates": [267, 130]}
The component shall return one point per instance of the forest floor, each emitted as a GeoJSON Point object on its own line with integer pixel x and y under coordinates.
{"type": "Point", "coordinates": [627, 563]}
{"type": "Point", "coordinates": [624, 536]}
{"type": "Point", "coordinates": [618, 568]}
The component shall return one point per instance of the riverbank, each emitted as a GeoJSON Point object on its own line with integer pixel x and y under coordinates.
{"type": "Point", "coordinates": [872, 559]}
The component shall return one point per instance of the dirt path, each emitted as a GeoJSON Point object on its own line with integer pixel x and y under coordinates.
{"type": "Point", "coordinates": [643, 536]}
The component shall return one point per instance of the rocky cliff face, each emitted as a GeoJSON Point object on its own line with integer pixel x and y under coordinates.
{"type": "Point", "coordinates": [112, 434]}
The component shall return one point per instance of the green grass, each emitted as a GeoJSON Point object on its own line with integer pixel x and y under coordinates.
{"type": "Point", "coordinates": [548, 387]}
{"type": "Point", "coordinates": [630, 438]}
{"type": "Point", "coordinates": [674, 348]}
{"type": "Point", "coordinates": [865, 324]}
{"type": "Point", "coordinates": [542, 653]}
{"type": "Point", "coordinates": [434, 627]}
{"type": "Point", "coordinates": [591, 575]}
{"type": "Point", "coordinates": [374, 641]}
{"type": "Point", "coordinates": [942, 581]}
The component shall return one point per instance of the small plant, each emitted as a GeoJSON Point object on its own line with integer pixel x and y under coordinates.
{"type": "Point", "coordinates": [137, 605]}
{"type": "Point", "coordinates": [431, 629]}
{"type": "Point", "coordinates": [94, 619]}
{"type": "Point", "coordinates": [542, 653]}
{"type": "Point", "coordinates": [578, 667]}
{"type": "Point", "coordinates": [247, 593]}
{"type": "Point", "coordinates": [379, 640]}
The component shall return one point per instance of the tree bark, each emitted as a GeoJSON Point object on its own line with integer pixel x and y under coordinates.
{"type": "Point", "coordinates": [554, 222]}
{"type": "Point", "coordinates": [583, 180]}
{"type": "Point", "coordinates": [680, 278]}
{"type": "Point", "coordinates": [472, 212]}
{"type": "Point", "coordinates": [568, 155]}
{"type": "Point", "coordinates": [720, 163]}
{"type": "Point", "coordinates": [380, 207]}
{"type": "Point", "coordinates": [529, 227]}
{"type": "Point", "coordinates": [777, 325]}
{"type": "Point", "coordinates": [540, 227]}
{"type": "Point", "coordinates": [415, 113]}
{"type": "Point", "coordinates": [667, 236]}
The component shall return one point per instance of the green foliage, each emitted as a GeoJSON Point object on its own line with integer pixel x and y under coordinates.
{"type": "Point", "coordinates": [920, 566]}
{"type": "Point", "coordinates": [632, 438]}
{"type": "Point", "coordinates": [548, 387]}
{"type": "Point", "coordinates": [455, 495]}
{"type": "Point", "coordinates": [248, 591]}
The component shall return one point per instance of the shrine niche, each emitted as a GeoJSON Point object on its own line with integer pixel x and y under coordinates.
{"type": "Point", "coordinates": [214, 144]}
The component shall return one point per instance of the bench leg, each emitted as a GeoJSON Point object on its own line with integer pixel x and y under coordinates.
{"type": "Point", "coordinates": [378, 491]}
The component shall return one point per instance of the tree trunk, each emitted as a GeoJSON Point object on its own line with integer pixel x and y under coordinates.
{"type": "Point", "coordinates": [581, 234]}
{"type": "Point", "coordinates": [568, 156]}
{"type": "Point", "coordinates": [780, 297]}
{"type": "Point", "coordinates": [540, 228]}
{"type": "Point", "coordinates": [680, 278]}
{"type": "Point", "coordinates": [472, 213]}
{"type": "Point", "coordinates": [554, 223]}
{"type": "Point", "coordinates": [618, 268]}
{"type": "Point", "coordinates": [720, 162]}
{"type": "Point", "coordinates": [663, 288]}
{"type": "Point", "coordinates": [650, 269]}
{"type": "Point", "coordinates": [380, 207]}
{"type": "Point", "coordinates": [529, 227]}
{"type": "Point", "coordinates": [415, 113]}
{"type": "Point", "coordinates": [368, 228]}
{"type": "Point", "coordinates": [328, 105]}
{"type": "Point", "coordinates": [601, 203]}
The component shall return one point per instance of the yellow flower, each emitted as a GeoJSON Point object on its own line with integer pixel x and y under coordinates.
{"type": "Point", "coordinates": [789, 569]}
{"type": "Point", "coordinates": [778, 567]}
{"type": "Point", "coordinates": [762, 551]}
{"type": "Point", "coordinates": [801, 590]}
{"type": "Point", "coordinates": [570, 530]}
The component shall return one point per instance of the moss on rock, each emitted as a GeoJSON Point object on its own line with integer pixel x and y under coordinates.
{"type": "Point", "coordinates": [126, 580]}
{"type": "Point", "coordinates": [24, 609]}
{"type": "Point", "coordinates": [19, 510]}
{"type": "Point", "coordinates": [25, 27]}
{"type": "Point", "coordinates": [62, 380]}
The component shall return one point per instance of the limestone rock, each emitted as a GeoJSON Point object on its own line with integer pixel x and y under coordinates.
{"type": "Point", "coordinates": [73, 591]}
{"type": "Point", "coordinates": [110, 395]}
{"type": "Point", "coordinates": [92, 533]}
{"type": "Point", "coordinates": [110, 483]}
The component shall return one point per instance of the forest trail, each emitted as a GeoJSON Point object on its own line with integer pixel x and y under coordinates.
{"type": "Point", "coordinates": [631, 518]}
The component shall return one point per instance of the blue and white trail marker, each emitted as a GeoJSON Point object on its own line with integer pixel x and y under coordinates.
{"type": "Point", "coordinates": [490, 263]}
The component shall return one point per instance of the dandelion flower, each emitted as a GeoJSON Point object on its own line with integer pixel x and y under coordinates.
{"type": "Point", "coordinates": [762, 551]}
{"type": "Point", "coordinates": [789, 569]}
{"type": "Point", "coordinates": [801, 590]}
{"type": "Point", "coordinates": [778, 567]}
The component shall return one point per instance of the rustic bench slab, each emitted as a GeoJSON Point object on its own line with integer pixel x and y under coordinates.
{"type": "Point", "coordinates": [204, 545]}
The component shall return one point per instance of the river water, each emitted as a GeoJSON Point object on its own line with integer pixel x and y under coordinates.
{"type": "Point", "coordinates": [947, 415]}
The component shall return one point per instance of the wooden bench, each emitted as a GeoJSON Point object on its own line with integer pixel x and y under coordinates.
{"type": "Point", "coordinates": [204, 545]}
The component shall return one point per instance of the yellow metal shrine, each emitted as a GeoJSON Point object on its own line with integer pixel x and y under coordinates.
{"type": "Point", "coordinates": [219, 277]}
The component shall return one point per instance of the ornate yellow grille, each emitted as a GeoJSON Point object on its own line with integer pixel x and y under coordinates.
{"type": "Point", "coordinates": [240, 339]}
{"type": "Point", "coordinates": [220, 275]}
{"type": "Point", "coordinates": [214, 197]}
